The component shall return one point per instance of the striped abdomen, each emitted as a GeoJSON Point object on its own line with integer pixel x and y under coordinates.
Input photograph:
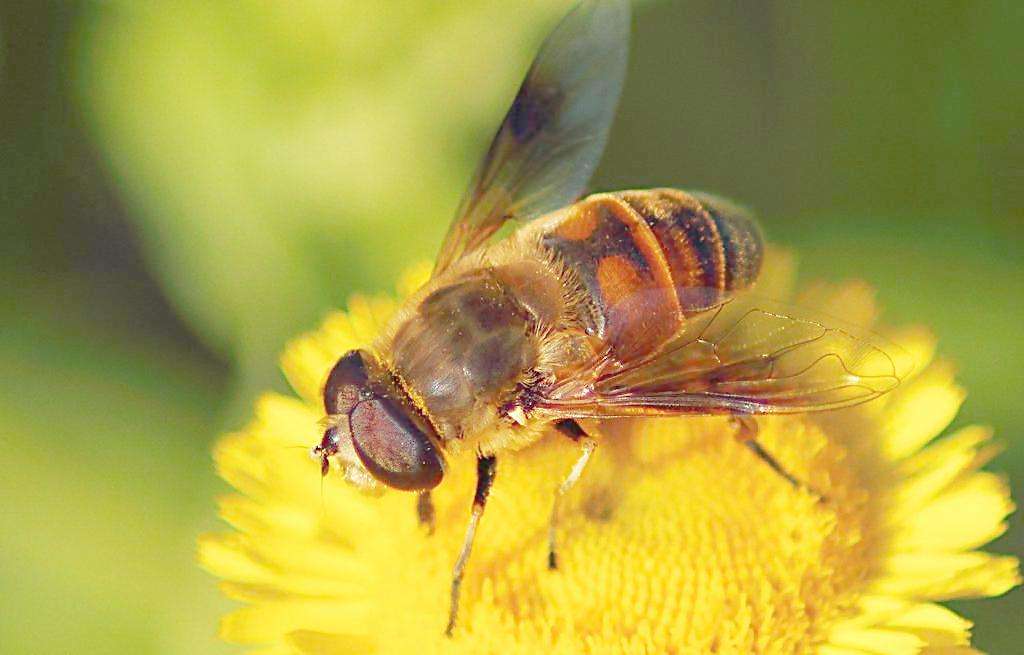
{"type": "Point", "coordinates": [648, 259]}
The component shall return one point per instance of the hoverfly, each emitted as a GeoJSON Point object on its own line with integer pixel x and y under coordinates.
{"type": "Point", "coordinates": [625, 304]}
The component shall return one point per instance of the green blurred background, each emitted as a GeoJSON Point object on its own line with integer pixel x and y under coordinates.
{"type": "Point", "coordinates": [185, 185]}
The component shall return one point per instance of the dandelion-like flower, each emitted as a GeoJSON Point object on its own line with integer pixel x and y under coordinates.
{"type": "Point", "coordinates": [677, 539]}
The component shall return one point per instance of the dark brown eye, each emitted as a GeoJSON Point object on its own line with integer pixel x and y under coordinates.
{"type": "Point", "coordinates": [344, 382]}
{"type": "Point", "coordinates": [392, 448]}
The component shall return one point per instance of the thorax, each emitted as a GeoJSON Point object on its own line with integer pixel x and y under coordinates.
{"type": "Point", "coordinates": [465, 343]}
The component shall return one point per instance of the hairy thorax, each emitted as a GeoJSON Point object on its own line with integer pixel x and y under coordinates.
{"type": "Point", "coordinates": [468, 342]}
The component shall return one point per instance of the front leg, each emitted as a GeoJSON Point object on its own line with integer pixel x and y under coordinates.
{"type": "Point", "coordinates": [486, 467]}
{"type": "Point", "coordinates": [571, 429]}
{"type": "Point", "coordinates": [425, 511]}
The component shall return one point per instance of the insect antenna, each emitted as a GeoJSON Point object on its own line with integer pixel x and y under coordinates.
{"type": "Point", "coordinates": [323, 497]}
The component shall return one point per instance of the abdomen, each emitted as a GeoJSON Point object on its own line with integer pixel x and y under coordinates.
{"type": "Point", "coordinates": [648, 259]}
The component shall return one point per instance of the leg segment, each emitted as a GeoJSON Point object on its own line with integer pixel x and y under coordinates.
{"type": "Point", "coordinates": [587, 445]}
{"type": "Point", "coordinates": [486, 467]}
{"type": "Point", "coordinates": [746, 431]}
{"type": "Point", "coordinates": [425, 511]}
{"type": "Point", "coordinates": [766, 457]}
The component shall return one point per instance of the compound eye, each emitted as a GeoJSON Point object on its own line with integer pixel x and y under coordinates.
{"type": "Point", "coordinates": [392, 448]}
{"type": "Point", "coordinates": [344, 382]}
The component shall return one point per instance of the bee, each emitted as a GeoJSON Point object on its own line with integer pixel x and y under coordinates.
{"type": "Point", "coordinates": [624, 304]}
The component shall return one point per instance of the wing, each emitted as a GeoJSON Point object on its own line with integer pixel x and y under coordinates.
{"type": "Point", "coordinates": [745, 356]}
{"type": "Point", "coordinates": [555, 131]}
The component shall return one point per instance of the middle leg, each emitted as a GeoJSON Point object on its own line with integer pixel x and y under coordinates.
{"type": "Point", "coordinates": [571, 429]}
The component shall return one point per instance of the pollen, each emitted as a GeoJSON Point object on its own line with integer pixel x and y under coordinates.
{"type": "Point", "coordinates": [676, 540]}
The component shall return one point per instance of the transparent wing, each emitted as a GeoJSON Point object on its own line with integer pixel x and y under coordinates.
{"type": "Point", "coordinates": [555, 131]}
{"type": "Point", "coordinates": [746, 356]}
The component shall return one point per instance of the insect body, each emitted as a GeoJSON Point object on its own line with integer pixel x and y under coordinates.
{"type": "Point", "coordinates": [632, 303]}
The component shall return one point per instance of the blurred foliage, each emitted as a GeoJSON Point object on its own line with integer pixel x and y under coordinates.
{"type": "Point", "coordinates": [288, 136]}
{"type": "Point", "coordinates": [185, 185]}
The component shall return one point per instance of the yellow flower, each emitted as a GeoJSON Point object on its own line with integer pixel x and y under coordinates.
{"type": "Point", "coordinates": [677, 539]}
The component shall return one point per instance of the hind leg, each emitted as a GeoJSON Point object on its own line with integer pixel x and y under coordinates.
{"type": "Point", "coordinates": [746, 432]}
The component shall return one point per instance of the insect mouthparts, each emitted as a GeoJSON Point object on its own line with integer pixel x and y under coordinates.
{"type": "Point", "coordinates": [317, 453]}
{"type": "Point", "coordinates": [323, 451]}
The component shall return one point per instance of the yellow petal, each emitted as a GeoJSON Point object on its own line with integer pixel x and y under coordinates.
{"type": "Point", "coordinates": [273, 650]}
{"type": "Point", "coordinates": [268, 459]}
{"type": "Point", "coordinates": [944, 576]}
{"type": "Point", "coordinates": [251, 517]}
{"type": "Point", "coordinates": [916, 348]}
{"type": "Point", "coordinates": [268, 621]}
{"type": "Point", "coordinates": [235, 558]}
{"type": "Point", "coordinates": [872, 610]}
{"type": "Point", "coordinates": [925, 475]}
{"type": "Point", "coordinates": [877, 641]}
{"type": "Point", "coordinates": [308, 359]}
{"type": "Point", "coordinates": [305, 364]}
{"type": "Point", "coordinates": [966, 516]}
{"type": "Point", "coordinates": [367, 317]}
{"type": "Point", "coordinates": [220, 554]}
{"type": "Point", "coordinates": [309, 642]}
{"type": "Point", "coordinates": [831, 649]}
{"type": "Point", "coordinates": [935, 624]}
{"type": "Point", "coordinates": [947, 457]}
{"type": "Point", "coordinates": [414, 277]}
{"type": "Point", "coordinates": [919, 411]}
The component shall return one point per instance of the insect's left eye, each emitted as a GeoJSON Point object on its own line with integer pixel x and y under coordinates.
{"type": "Point", "coordinates": [393, 448]}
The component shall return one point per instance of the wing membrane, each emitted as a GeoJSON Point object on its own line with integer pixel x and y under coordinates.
{"type": "Point", "coordinates": [555, 131]}
{"type": "Point", "coordinates": [746, 356]}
